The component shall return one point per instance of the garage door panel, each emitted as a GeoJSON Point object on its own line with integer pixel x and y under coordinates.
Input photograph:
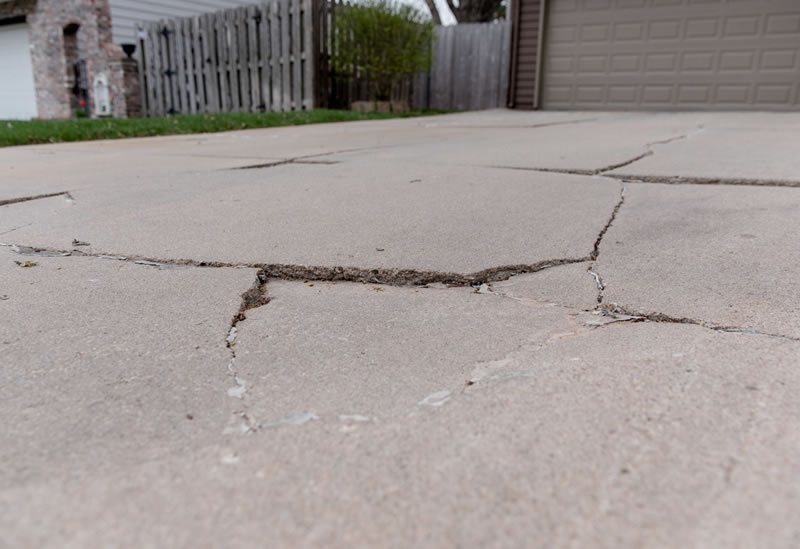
{"type": "Point", "coordinates": [680, 53]}
{"type": "Point", "coordinates": [17, 92]}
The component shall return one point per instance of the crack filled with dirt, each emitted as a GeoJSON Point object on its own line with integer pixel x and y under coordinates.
{"type": "Point", "coordinates": [387, 276]}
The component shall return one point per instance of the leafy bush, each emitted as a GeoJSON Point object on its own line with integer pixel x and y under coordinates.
{"type": "Point", "coordinates": [381, 41]}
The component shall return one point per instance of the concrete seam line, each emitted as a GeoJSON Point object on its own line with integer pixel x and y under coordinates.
{"type": "Point", "coordinates": [663, 179]}
{"type": "Point", "coordinates": [596, 250]}
{"type": "Point", "coordinates": [682, 180]}
{"type": "Point", "coordinates": [661, 318]}
{"type": "Point", "coordinates": [35, 197]}
{"type": "Point", "coordinates": [308, 158]}
{"type": "Point", "coordinates": [526, 127]}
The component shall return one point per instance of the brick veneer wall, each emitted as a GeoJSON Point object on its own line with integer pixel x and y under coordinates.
{"type": "Point", "coordinates": [46, 21]}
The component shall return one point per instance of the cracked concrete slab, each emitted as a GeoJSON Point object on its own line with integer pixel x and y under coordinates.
{"type": "Point", "coordinates": [566, 285]}
{"type": "Point", "coordinates": [593, 145]}
{"type": "Point", "coordinates": [761, 150]}
{"type": "Point", "coordinates": [365, 213]}
{"type": "Point", "coordinates": [628, 436]}
{"type": "Point", "coordinates": [107, 363]}
{"type": "Point", "coordinates": [152, 402]}
{"type": "Point", "coordinates": [379, 351]}
{"type": "Point", "coordinates": [726, 256]}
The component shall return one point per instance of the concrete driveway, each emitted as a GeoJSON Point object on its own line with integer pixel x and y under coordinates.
{"type": "Point", "coordinates": [497, 329]}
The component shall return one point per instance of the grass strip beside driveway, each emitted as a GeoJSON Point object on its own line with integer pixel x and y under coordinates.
{"type": "Point", "coordinates": [18, 132]}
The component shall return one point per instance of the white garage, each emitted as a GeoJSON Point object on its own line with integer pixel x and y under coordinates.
{"type": "Point", "coordinates": [17, 91]}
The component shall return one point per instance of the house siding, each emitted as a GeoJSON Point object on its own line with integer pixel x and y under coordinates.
{"type": "Point", "coordinates": [126, 14]}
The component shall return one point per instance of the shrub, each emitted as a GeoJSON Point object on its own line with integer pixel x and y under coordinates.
{"type": "Point", "coordinates": [381, 41]}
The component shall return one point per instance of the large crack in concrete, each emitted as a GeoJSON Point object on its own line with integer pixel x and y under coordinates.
{"type": "Point", "coordinates": [387, 276]}
{"type": "Point", "coordinates": [253, 297]}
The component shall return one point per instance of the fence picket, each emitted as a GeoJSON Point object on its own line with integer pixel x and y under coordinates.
{"type": "Point", "coordinates": [275, 56]}
{"type": "Point", "coordinates": [285, 60]}
{"type": "Point", "coordinates": [200, 56]}
{"type": "Point", "coordinates": [226, 103]}
{"type": "Point", "coordinates": [179, 62]}
{"type": "Point", "coordinates": [266, 67]}
{"type": "Point", "coordinates": [253, 25]}
{"type": "Point", "coordinates": [296, 45]}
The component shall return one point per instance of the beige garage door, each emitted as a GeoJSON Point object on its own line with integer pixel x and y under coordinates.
{"type": "Point", "coordinates": [672, 54]}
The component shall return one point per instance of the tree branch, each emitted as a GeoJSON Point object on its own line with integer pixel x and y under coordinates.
{"type": "Point", "coordinates": [437, 20]}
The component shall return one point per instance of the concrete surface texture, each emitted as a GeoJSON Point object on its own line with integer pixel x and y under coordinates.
{"type": "Point", "coordinates": [497, 329]}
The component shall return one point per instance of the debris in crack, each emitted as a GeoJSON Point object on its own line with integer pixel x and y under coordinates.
{"type": "Point", "coordinates": [76, 242]}
{"type": "Point", "coordinates": [40, 252]}
{"type": "Point", "coordinates": [253, 298]}
{"type": "Point", "coordinates": [408, 277]}
{"type": "Point", "coordinates": [596, 251]}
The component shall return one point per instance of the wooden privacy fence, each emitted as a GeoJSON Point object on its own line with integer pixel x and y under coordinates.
{"type": "Point", "coordinates": [470, 66]}
{"type": "Point", "coordinates": [254, 58]}
{"type": "Point", "coordinates": [276, 56]}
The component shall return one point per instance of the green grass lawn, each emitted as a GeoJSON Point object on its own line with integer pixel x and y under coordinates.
{"type": "Point", "coordinates": [14, 132]}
